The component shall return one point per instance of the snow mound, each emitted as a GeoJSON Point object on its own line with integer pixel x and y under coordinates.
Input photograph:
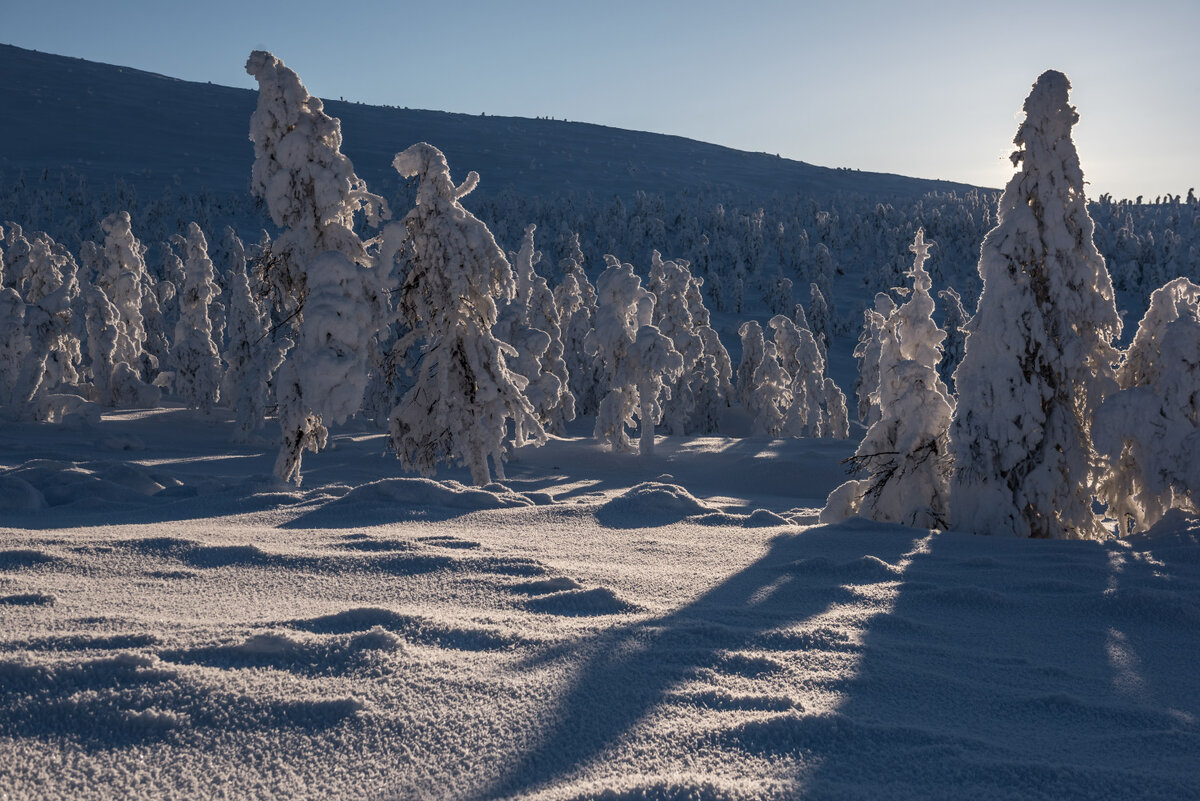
{"type": "Point", "coordinates": [545, 586]}
{"type": "Point", "coordinates": [865, 569]}
{"type": "Point", "coordinates": [598, 601]}
{"type": "Point", "coordinates": [359, 653]}
{"type": "Point", "coordinates": [651, 504]}
{"type": "Point", "coordinates": [392, 499]}
{"type": "Point", "coordinates": [377, 623]}
{"type": "Point", "coordinates": [42, 483]}
{"type": "Point", "coordinates": [18, 558]}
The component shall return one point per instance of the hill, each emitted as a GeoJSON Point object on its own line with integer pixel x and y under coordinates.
{"type": "Point", "coordinates": [107, 121]}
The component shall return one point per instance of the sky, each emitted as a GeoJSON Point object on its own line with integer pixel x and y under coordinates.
{"type": "Point", "coordinates": [927, 89]}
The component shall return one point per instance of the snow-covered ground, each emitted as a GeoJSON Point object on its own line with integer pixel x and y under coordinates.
{"type": "Point", "coordinates": [174, 623]}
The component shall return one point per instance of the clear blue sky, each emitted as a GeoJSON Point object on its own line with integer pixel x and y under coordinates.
{"type": "Point", "coordinates": [929, 89]}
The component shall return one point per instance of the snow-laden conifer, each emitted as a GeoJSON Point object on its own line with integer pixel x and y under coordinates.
{"type": "Point", "coordinates": [123, 280]}
{"type": "Point", "coordinates": [47, 321]}
{"type": "Point", "coordinates": [820, 319]}
{"type": "Point", "coordinates": [575, 298]}
{"type": "Point", "coordinates": [753, 352]}
{"type": "Point", "coordinates": [905, 453]}
{"type": "Point", "coordinates": [1149, 431]}
{"type": "Point", "coordinates": [14, 344]}
{"type": "Point", "coordinates": [103, 328]}
{"type": "Point", "coordinates": [955, 326]}
{"type": "Point", "coordinates": [653, 367]}
{"type": "Point", "coordinates": [197, 363]}
{"type": "Point", "coordinates": [771, 397]}
{"type": "Point", "coordinates": [619, 294]}
{"type": "Point", "coordinates": [530, 323]}
{"type": "Point", "coordinates": [870, 344]}
{"type": "Point", "coordinates": [320, 271]}
{"type": "Point", "coordinates": [251, 358]}
{"type": "Point", "coordinates": [464, 392]}
{"type": "Point", "coordinates": [800, 357]}
{"type": "Point", "coordinates": [1039, 351]}
{"type": "Point", "coordinates": [670, 282]}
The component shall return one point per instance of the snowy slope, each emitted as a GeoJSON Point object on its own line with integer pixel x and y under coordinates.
{"type": "Point", "coordinates": [107, 122]}
{"type": "Point", "coordinates": [172, 622]}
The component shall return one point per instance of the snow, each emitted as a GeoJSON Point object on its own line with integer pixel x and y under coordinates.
{"type": "Point", "coordinates": [178, 622]}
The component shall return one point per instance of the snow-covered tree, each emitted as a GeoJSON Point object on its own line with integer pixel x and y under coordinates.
{"type": "Point", "coordinates": [103, 328]}
{"type": "Point", "coordinates": [867, 351]}
{"type": "Point", "coordinates": [771, 397]}
{"type": "Point", "coordinates": [321, 273]}
{"type": "Point", "coordinates": [251, 357]}
{"type": "Point", "coordinates": [956, 334]}
{"type": "Point", "coordinates": [575, 298]}
{"type": "Point", "coordinates": [197, 363]}
{"type": "Point", "coordinates": [1039, 350]}
{"type": "Point", "coordinates": [753, 352]}
{"type": "Point", "coordinates": [800, 357]}
{"type": "Point", "coordinates": [530, 323]}
{"type": "Point", "coordinates": [619, 294]}
{"type": "Point", "coordinates": [670, 282]}
{"type": "Point", "coordinates": [47, 320]}
{"type": "Point", "coordinates": [1150, 430]}
{"type": "Point", "coordinates": [820, 319]}
{"type": "Point", "coordinates": [14, 344]}
{"type": "Point", "coordinates": [464, 393]}
{"type": "Point", "coordinates": [905, 452]}
{"type": "Point", "coordinates": [653, 367]}
{"type": "Point", "coordinates": [123, 280]}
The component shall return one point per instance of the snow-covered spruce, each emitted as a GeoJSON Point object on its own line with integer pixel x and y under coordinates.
{"type": "Point", "coordinates": [870, 343]}
{"type": "Point", "coordinates": [14, 344]}
{"type": "Point", "coordinates": [251, 357]}
{"type": "Point", "coordinates": [771, 397]}
{"type": "Point", "coordinates": [465, 394]}
{"type": "Point", "coordinates": [123, 281]}
{"type": "Point", "coordinates": [905, 453]}
{"type": "Point", "coordinates": [671, 283]}
{"type": "Point", "coordinates": [530, 323]}
{"type": "Point", "coordinates": [1039, 354]}
{"type": "Point", "coordinates": [955, 326]}
{"type": "Point", "coordinates": [47, 320]}
{"type": "Point", "coordinates": [322, 274]}
{"type": "Point", "coordinates": [800, 357]}
{"type": "Point", "coordinates": [753, 352]}
{"type": "Point", "coordinates": [619, 300]}
{"type": "Point", "coordinates": [820, 319]}
{"type": "Point", "coordinates": [103, 328]}
{"type": "Point", "coordinates": [1149, 432]}
{"type": "Point", "coordinates": [197, 363]}
{"type": "Point", "coordinates": [575, 298]}
{"type": "Point", "coordinates": [653, 367]}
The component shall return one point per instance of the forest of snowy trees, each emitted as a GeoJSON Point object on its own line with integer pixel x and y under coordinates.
{"type": "Point", "coordinates": [1007, 408]}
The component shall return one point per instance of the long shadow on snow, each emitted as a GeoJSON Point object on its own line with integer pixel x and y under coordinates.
{"type": "Point", "coordinates": [998, 673]}
{"type": "Point", "coordinates": [629, 671]}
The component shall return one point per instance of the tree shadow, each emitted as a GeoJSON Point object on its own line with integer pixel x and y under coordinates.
{"type": "Point", "coordinates": [629, 671]}
{"type": "Point", "coordinates": [994, 676]}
